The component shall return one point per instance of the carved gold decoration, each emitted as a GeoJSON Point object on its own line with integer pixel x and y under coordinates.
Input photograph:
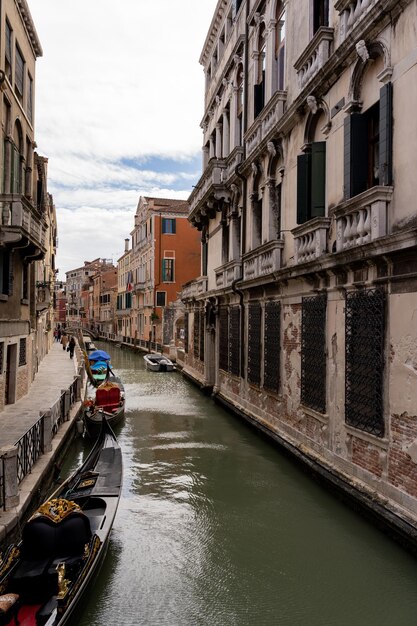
{"type": "Point", "coordinates": [56, 509]}
{"type": "Point", "coordinates": [62, 581]}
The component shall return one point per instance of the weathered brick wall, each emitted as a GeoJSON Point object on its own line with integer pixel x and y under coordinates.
{"type": "Point", "coordinates": [402, 471]}
{"type": "Point", "coordinates": [291, 378]}
{"type": "Point", "coordinates": [367, 456]}
{"type": "Point", "coordinates": [22, 381]}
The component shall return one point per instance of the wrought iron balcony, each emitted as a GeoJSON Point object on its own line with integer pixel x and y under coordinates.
{"type": "Point", "coordinates": [310, 239]}
{"type": "Point", "coordinates": [314, 56]}
{"type": "Point", "coordinates": [362, 219]}
{"type": "Point", "coordinates": [264, 260]}
{"type": "Point", "coordinates": [20, 220]}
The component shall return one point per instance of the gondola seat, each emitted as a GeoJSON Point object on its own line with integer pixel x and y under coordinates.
{"type": "Point", "coordinates": [9, 607]}
{"type": "Point", "coordinates": [45, 544]}
{"type": "Point", "coordinates": [108, 399]}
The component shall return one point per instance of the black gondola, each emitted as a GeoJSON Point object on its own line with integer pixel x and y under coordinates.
{"type": "Point", "coordinates": [63, 544]}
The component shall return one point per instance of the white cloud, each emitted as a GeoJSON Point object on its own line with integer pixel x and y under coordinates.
{"type": "Point", "coordinates": [117, 80]}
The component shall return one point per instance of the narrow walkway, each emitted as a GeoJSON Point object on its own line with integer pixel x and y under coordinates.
{"type": "Point", "coordinates": [56, 372]}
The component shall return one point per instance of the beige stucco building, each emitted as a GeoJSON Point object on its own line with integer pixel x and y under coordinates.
{"type": "Point", "coordinates": [28, 231]}
{"type": "Point", "coordinates": [304, 315]}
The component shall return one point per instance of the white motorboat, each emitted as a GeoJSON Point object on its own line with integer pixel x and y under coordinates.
{"type": "Point", "coordinates": [158, 363]}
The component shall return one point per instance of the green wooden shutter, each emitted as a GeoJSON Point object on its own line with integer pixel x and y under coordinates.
{"type": "Point", "coordinates": [318, 178]}
{"type": "Point", "coordinates": [303, 187]}
{"type": "Point", "coordinates": [385, 135]}
{"type": "Point", "coordinates": [355, 154]}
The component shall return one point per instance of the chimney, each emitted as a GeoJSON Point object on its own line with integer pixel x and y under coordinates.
{"type": "Point", "coordinates": [126, 245]}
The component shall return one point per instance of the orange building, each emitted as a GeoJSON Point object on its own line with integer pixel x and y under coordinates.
{"type": "Point", "coordinates": [165, 255]}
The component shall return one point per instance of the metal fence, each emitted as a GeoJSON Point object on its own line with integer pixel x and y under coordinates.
{"type": "Point", "coordinates": [29, 449]}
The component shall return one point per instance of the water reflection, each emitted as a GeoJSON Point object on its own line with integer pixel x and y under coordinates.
{"type": "Point", "coordinates": [216, 528]}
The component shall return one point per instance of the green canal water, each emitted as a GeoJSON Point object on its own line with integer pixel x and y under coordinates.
{"type": "Point", "coordinates": [216, 528]}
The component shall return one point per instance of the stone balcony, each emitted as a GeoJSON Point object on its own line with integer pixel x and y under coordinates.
{"type": "Point", "coordinates": [262, 261]}
{"type": "Point", "coordinates": [19, 220]}
{"type": "Point", "coordinates": [310, 239]}
{"type": "Point", "coordinates": [314, 56]}
{"type": "Point", "coordinates": [351, 13]}
{"type": "Point", "coordinates": [227, 274]}
{"type": "Point", "coordinates": [195, 288]}
{"type": "Point", "coordinates": [212, 180]}
{"type": "Point", "coordinates": [266, 121]}
{"type": "Point", "coordinates": [362, 219]}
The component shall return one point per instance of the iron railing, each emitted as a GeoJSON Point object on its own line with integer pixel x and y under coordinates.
{"type": "Point", "coordinates": [254, 343]}
{"type": "Point", "coordinates": [29, 449]}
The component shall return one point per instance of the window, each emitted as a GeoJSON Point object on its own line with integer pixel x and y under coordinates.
{"type": "Point", "coordinates": [365, 328]}
{"type": "Point", "coordinates": [168, 270]}
{"type": "Point", "coordinates": [259, 88]}
{"type": "Point", "coordinates": [19, 75]}
{"type": "Point", "coordinates": [1, 357]}
{"type": "Point", "coordinates": [280, 48]}
{"type": "Point", "coordinates": [234, 341]}
{"type": "Point", "coordinates": [8, 54]}
{"type": "Point", "coordinates": [224, 338]}
{"type": "Point", "coordinates": [311, 182]}
{"type": "Point", "coordinates": [368, 146]}
{"type": "Point", "coordinates": [254, 343]}
{"type": "Point", "coordinates": [4, 272]}
{"type": "Point", "coordinates": [168, 226]}
{"type": "Point", "coordinates": [161, 298]}
{"type": "Point", "coordinates": [313, 352]}
{"type": "Point", "coordinates": [321, 14]}
{"type": "Point", "coordinates": [186, 321]}
{"type": "Point", "coordinates": [22, 352]}
{"type": "Point", "coordinates": [272, 345]}
{"type": "Point", "coordinates": [30, 98]}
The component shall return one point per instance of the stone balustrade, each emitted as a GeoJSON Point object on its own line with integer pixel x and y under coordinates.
{"type": "Point", "coordinates": [227, 274]}
{"type": "Point", "coordinates": [310, 239]}
{"type": "Point", "coordinates": [266, 121]}
{"type": "Point", "coordinates": [362, 219]}
{"type": "Point", "coordinates": [195, 288]}
{"type": "Point", "coordinates": [351, 12]}
{"type": "Point", "coordinates": [17, 214]}
{"type": "Point", "coordinates": [262, 261]}
{"type": "Point", "coordinates": [314, 56]}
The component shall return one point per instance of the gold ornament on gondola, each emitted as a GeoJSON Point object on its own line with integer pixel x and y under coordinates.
{"type": "Point", "coordinates": [57, 509]}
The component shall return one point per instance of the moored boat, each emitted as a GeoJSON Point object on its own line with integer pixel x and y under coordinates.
{"type": "Point", "coordinates": [109, 402]}
{"type": "Point", "coordinates": [158, 363]}
{"type": "Point", "coordinates": [43, 577]}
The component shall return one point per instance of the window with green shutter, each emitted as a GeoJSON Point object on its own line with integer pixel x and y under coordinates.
{"type": "Point", "coordinates": [311, 183]}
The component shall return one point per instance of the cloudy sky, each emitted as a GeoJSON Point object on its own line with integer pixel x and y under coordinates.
{"type": "Point", "coordinates": [119, 100]}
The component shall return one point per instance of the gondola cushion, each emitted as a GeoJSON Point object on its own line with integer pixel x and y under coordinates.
{"type": "Point", "coordinates": [8, 607]}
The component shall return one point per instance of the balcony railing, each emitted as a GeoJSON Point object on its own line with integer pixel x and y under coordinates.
{"type": "Point", "coordinates": [214, 175]}
{"type": "Point", "coordinates": [195, 288]}
{"type": "Point", "coordinates": [314, 56]}
{"type": "Point", "coordinates": [351, 12]}
{"type": "Point", "coordinates": [226, 274]}
{"type": "Point", "coordinates": [363, 218]}
{"type": "Point", "coordinates": [263, 260]}
{"type": "Point", "coordinates": [17, 214]}
{"type": "Point", "coordinates": [310, 239]}
{"type": "Point", "coordinates": [266, 120]}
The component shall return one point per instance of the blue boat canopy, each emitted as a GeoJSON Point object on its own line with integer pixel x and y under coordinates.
{"type": "Point", "coordinates": [99, 355]}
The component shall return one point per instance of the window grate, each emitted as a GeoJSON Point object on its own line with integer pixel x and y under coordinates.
{"type": "Point", "coordinates": [201, 337]}
{"type": "Point", "coordinates": [22, 352]}
{"type": "Point", "coordinates": [272, 346]}
{"type": "Point", "coordinates": [196, 348]}
{"type": "Point", "coordinates": [186, 332]}
{"type": "Point", "coordinates": [1, 357]}
{"type": "Point", "coordinates": [254, 344]}
{"type": "Point", "coordinates": [224, 339]}
{"type": "Point", "coordinates": [234, 341]}
{"type": "Point", "coordinates": [365, 334]}
{"type": "Point", "coordinates": [313, 353]}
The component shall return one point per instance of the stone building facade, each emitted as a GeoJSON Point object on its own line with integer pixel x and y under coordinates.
{"type": "Point", "coordinates": [27, 214]}
{"type": "Point", "coordinates": [303, 318]}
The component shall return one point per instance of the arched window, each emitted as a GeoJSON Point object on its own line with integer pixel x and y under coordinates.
{"type": "Point", "coordinates": [259, 93]}
{"type": "Point", "coordinates": [280, 47]}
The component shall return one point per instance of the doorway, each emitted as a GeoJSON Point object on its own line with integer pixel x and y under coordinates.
{"type": "Point", "coordinates": [11, 367]}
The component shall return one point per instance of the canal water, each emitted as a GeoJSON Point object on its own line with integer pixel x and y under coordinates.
{"type": "Point", "coordinates": [216, 528]}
